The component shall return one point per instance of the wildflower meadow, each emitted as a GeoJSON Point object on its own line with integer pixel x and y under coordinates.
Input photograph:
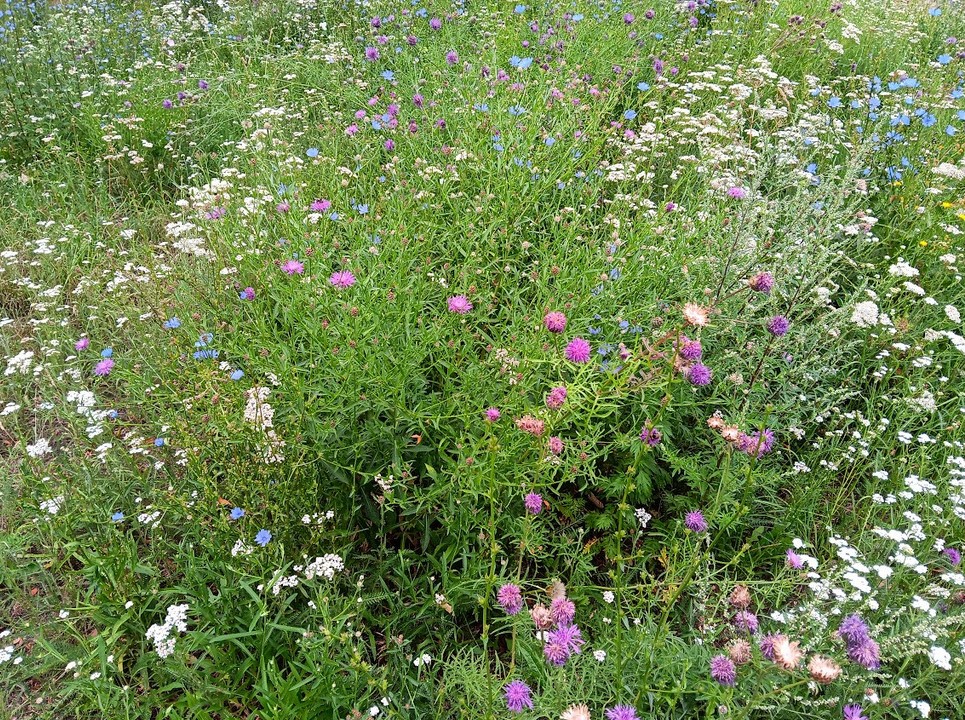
{"type": "Point", "coordinates": [458, 359]}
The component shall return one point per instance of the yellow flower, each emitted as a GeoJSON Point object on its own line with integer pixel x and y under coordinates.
{"type": "Point", "coordinates": [923, 243]}
{"type": "Point", "coordinates": [946, 204]}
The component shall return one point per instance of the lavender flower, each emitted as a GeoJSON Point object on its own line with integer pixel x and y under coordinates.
{"type": "Point", "coordinates": [533, 503]}
{"type": "Point", "coordinates": [518, 696]}
{"type": "Point", "coordinates": [723, 670]}
{"type": "Point", "coordinates": [761, 282]}
{"type": "Point", "coordinates": [694, 521]}
{"type": "Point", "coordinates": [293, 267]}
{"type": "Point", "coordinates": [778, 325]}
{"type": "Point", "coordinates": [104, 367]}
{"type": "Point", "coordinates": [867, 654]}
{"type": "Point", "coordinates": [622, 712]}
{"type": "Point", "coordinates": [342, 279]}
{"type": "Point", "coordinates": [953, 555]}
{"type": "Point", "coordinates": [510, 597]}
{"type": "Point", "coordinates": [853, 712]}
{"type": "Point", "coordinates": [853, 630]}
{"type": "Point", "coordinates": [562, 611]}
{"type": "Point", "coordinates": [699, 375]}
{"type": "Point", "coordinates": [690, 349]}
{"type": "Point", "coordinates": [651, 436]}
{"type": "Point", "coordinates": [746, 621]}
{"type": "Point", "coordinates": [794, 561]}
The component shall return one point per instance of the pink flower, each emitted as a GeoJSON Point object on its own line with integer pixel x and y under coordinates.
{"type": "Point", "coordinates": [533, 503]}
{"type": "Point", "coordinates": [555, 322]}
{"type": "Point", "coordinates": [459, 304]}
{"type": "Point", "coordinates": [492, 414]}
{"type": "Point", "coordinates": [293, 267]}
{"type": "Point", "coordinates": [342, 279]}
{"type": "Point", "coordinates": [104, 367]}
{"type": "Point", "coordinates": [578, 351]}
{"type": "Point", "coordinates": [320, 205]}
{"type": "Point", "coordinates": [82, 344]}
{"type": "Point", "coordinates": [555, 445]}
{"type": "Point", "coordinates": [556, 397]}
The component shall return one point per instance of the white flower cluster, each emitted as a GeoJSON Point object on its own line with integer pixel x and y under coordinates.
{"type": "Point", "coordinates": [325, 566]}
{"type": "Point", "coordinates": [259, 413]}
{"type": "Point", "coordinates": [163, 636]}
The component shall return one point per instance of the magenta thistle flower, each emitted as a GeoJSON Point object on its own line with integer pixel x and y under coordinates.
{"type": "Point", "coordinates": [953, 555]}
{"type": "Point", "coordinates": [723, 670]}
{"type": "Point", "coordinates": [247, 294]}
{"type": "Point", "coordinates": [556, 397]}
{"type": "Point", "coordinates": [555, 653]}
{"type": "Point", "coordinates": [321, 205]}
{"type": "Point", "coordinates": [853, 630]}
{"type": "Point", "coordinates": [694, 521]}
{"type": "Point", "coordinates": [371, 53]}
{"type": "Point", "coordinates": [459, 304]}
{"type": "Point", "coordinates": [778, 325]}
{"type": "Point", "coordinates": [622, 712]}
{"type": "Point", "coordinates": [293, 267]}
{"type": "Point", "coordinates": [736, 192]}
{"type": "Point", "coordinates": [794, 561]}
{"type": "Point", "coordinates": [82, 344]}
{"type": "Point", "coordinates": [452, 57]}
{"type": "Point", "coordinates": [766, 645]}
{"type": "Point", "coordinates": [555, 322]}
{"type": "Point", "coordinates": [699, 375]}
{"type": "Point", "coordinates": [562, 611]}
{"type": "Point", "coordinates": [533, 503]}
{"type": "Point", "coordinates": [555, 445]}
{"type": "Point", "coordinates": [565, 637]}
{"type": "Point", "coordinates": [867, 654]}
{"type": "Point", "coordinates": [755, 444]}
{"type": "Point", "coordinates": [517, 696]}
{"type": "Point", "coordinates": [853, 712]}
{"type": "Point", "coordinates": [690, 349]}
{"type": "Point", "coordinates": [578, 351]}
{"type": "Point", "coordinates": [761, 282]}
{"type": "Point", "coordinates": [492, 414]}
{"type": "Point", "coordinates": [747, 621]}
{"type": "Point", "coordinates": [342, 279]}
{"type": "Point", "coordinates": [651, 436]}
{"type": "Point", "coordinates": [510, 597]}
{"type": "Point", "coordinates": [104, 367]}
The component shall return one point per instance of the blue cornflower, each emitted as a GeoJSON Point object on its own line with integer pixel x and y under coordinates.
{"type": "Point", "coordinates": [159, 442]}
{"type": "Point", "coordinates": [944, 59]}
{"type": "Point", "coordinates": [172, 324]}
{"type": "Point", "coordinates": [388, 75]}
{"type": "Point", "coordinates": [205, 354]}
{"type": "Point", "coordinates": [629, 114]}
{"type": "Point", "coordinates": [204, 339]}
{"type": "Point", "coordinates": [549, 142]}
{"type": "Point", "coordinates": [107, 352]}
{"type": "Point", "coordinates": [835, 102]}
{"type": "Point", "coordinates": [117, 517]}
{"type": "Point", "coordinates": [236, 513]}
{"type": "Point", "coordinates": [517, 110]}
{"type": "Point", "coordinates": [935, 12]}
{"type": "Point", "coordinates": [263, 537]}
{"type": "Point", "coordinates": [237, 375]}
{"type": "Point", "coordinates": [312, 152]}
{"type": "Point", "coordinates": [643, 87]}
{"type": "Point", "coordinates": [519, 9]}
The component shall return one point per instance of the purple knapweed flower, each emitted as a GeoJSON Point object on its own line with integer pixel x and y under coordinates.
{"type": "Point", "coordinates": [867, 654]}
{"type": "Point", "coordinates": [556, 397]}
{"type": "Point", "coordinates": [510, 597]}
{"type": "Point", "coordinates": [247, 294]}
{"type": "Point", "coordinates": [853, 630]}
{"type": "Point", "coordinates": [699, 375]}
{"type": "Point", "coordinates": [853, 712]}
{"type": "Point", "coordinates": [766, 644]}
{"type": "Point", "coordinates": [320, 205]}
{"type": "Point", "coordinates": [567, 637]}
{"type": "Point", "coordinates": [459, 304]}
{"type": "Point", "coordinates": [761, 282]}
{"type": "Point", "coordinates": [104, 367]}
{"type": "Point", "coordinates": [167, 104]}
{"type": "Point", "coordinates": [517, 696]}
{"type": "Point", "coordinates": [578, 351]}
{"type": "Point", "coordinates": [533, 503]}
{"type": "Point", "coordinates": [371, 54]}
{"type": "Point", "coordinates": [493, 414]}
{"type": "Point", "coordinates": [342, 279]}
{"type": "Point", "coordinates": [435, 23]}
{"type": "Point", "coordinates": [746, 621]}
{"type": "Point", "coordinates": [953, 555]}
{"type": "Point", "coordinates": [622, 712]}
{"type": "Point", "coordinates": [778, 325]}
{"type": "Point", "coordinates": [555, 322]}
{"type": "Point", "coordinates": [628, 18]}
{"type": "Point", "coordinates": [554, 445]}
{"type": "Point", "coordinates": [736, 192]}
{"type": "Point", "coordinates": [651, 436]}
{"type": "Point", "coordinates": [794, 561]}
{"type": "Point", "coordinates": [283, 207]}
{"type": "Point", "coordinates": [723, 670]}
{"type": "Point", "coordinates": [293, 267]}
{"type": "Point", "coordinates": [690, 349]}
{"type": "Point", "coordinates": [562, 611]}
{"type": "Point", "coordinates": [82, 344]}
{"type": "Point", "coordinates": [452, 57]}
{"type": "Point", "coordinates": [695, 522]}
